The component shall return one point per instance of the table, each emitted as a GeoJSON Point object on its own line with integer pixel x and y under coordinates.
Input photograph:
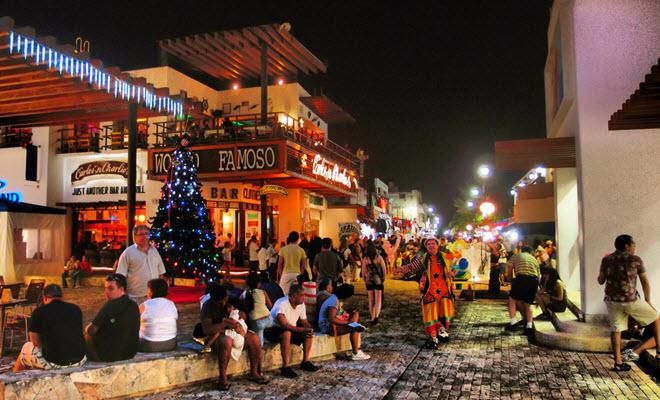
{"type": "Point", "coordinates": [3, 313]}
{"type": "Point", "coordinates": [14, 287]}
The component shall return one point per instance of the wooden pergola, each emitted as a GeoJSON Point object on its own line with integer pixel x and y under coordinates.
{"type": "Point", "coordinates": [642, 109]}
{"type": "Point", "coordinates": [523, 155]}
{"type": "Point", "coordinates": [43, 83]}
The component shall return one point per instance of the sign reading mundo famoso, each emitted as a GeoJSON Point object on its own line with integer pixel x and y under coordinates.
{"type": "Point", "coordinates": [222, 159]}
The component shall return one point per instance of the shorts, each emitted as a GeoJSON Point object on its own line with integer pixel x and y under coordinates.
{"type": "Point", "coordinates": [619, 312]}
{"type": "Point", "coordinates": [374, 287]}
{"type": "Point", "coordinates": [523, 288]}
{"type": "Point", "coordinates": [274, 335]}
{"type": "Point", "coordinates": [31, 357]}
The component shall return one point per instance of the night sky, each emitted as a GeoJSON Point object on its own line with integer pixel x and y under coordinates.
{"type": "Point", "coordinates": [432, 84]}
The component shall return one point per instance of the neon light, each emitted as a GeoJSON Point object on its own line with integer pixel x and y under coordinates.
{"type": "Point", "coordinates": [25, 49]}
{"type": "Point", "coordinates": [18, 44]}
{"type": "Point", "coordinates": [11, 42]}
{"type": "Point", "coordinates": [31, 47]}
{"type": "Point", "coordinates": [14, 197]}
{"type": "Point", "coordinates": [331, 172]}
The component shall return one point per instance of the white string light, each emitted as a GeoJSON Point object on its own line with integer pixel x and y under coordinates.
{"type": "Point", "coordinates": [74, 68]}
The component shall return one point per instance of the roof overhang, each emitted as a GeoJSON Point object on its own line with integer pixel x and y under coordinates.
{"type": "Point", "coordinates": [642, 109]}
{"type": "Point", "coordinates": [43, 83]}
{"type": "Point", "coordinates": [236, 54]}
{"type": "Point", "coordinates": [523, 155]}
{"type": "Point", "coordinates": [327, 109]}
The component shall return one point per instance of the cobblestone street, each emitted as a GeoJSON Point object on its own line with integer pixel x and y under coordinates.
{"type": "Point", "coordinates": [481, 362]}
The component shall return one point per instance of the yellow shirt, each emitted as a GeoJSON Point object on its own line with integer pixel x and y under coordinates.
{"type": "Point", "coordinates": [292, 254]}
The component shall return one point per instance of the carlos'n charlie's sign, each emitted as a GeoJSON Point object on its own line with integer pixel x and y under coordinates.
{"type": "Point", "coordinates": [99, 168]}
{"type": "Point", "coordinates": [222, 159]}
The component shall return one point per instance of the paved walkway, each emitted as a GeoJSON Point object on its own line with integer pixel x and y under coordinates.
{"type": "Point", "coordinates": [481, 362]}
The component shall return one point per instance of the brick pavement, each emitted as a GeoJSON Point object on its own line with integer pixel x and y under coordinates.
{"type": "Point", "coordinates": [481, 362]}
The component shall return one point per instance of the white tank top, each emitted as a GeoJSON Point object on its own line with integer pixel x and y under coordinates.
{"type": "Point", "coordinates": [158, 320]}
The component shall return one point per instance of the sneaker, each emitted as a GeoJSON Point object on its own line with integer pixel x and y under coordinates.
{"type": "Point", "coordinates": [510, 327]}
{"type": "Point", "coordinates": [629, 355]}
{"type": "Point", "coordinates": [308, 366]}
{"type": "Point", "coordinates": [205, 350]}
{"type": "Point", "coordinates": [360, 356]}
{"type": "Point", "coordinates": [529, 331]}
{"type": "Point", "coordinates": [287, 372]}
{"type": "Point", "coordinates": [443, 336]}
{"type": "Point", "coordinates": [432, 343]}
{"type": "Point", "coordinates": [623, 367]}
{"type": "Point", "coordinates": [199, 340]}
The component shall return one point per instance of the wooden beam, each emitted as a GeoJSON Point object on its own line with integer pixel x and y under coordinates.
{"type": "Point", "coordinates": [287, 54]}
{"type": "Point", "coordinates": [51, 91]}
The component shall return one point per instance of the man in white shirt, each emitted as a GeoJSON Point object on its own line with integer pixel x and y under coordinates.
{"type": "Point", "coordinates": [140, 263]}
{"type": "Point", "coordinates": [287, 312]}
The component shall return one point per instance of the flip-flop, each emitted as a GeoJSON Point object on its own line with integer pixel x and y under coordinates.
{"type": "Point", "coordinates": [262, 380]}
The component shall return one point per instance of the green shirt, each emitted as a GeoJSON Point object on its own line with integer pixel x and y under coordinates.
{"type": "Point", "coordinates": [525, 264]}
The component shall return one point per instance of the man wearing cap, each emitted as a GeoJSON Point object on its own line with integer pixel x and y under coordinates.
{"type": "Point", "coordinates": [436, 289]}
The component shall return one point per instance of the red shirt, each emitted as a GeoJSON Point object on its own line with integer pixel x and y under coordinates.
{"type": "Point", "coordinates": [85, 267]}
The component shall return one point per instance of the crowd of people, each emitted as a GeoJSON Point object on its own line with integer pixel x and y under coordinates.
{"type": "Point", "coordinates": [288, 298]}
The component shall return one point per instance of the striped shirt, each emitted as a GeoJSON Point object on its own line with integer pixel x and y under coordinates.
{"type": "Point", "coordinates": [525, 264]}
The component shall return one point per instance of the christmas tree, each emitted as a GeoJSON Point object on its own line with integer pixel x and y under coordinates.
{"type": "Point", "coordinates": [181, 229]}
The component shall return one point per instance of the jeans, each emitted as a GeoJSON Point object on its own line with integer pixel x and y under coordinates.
{"type": "Point", "coordinates": [259, 325]}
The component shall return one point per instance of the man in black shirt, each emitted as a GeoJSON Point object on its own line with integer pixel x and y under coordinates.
{"type": "Point", "coordinates": [215, 320]}
{"type": "Point", "coordinates": [56, 339]}
{"type": "Point", "coordinates": [113, 335]}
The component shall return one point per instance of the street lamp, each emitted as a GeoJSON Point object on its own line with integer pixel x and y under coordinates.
{"type": "Point", "coordinates": [474, 192]}
{"type": "Point", "coordinates": [431, 209]}
{"type": "Point", "coordinates": [484, 173]}
{"type": "Point", "coordinates": [470, 204]}
{"type": "Point", "coordinates": [487, 208]}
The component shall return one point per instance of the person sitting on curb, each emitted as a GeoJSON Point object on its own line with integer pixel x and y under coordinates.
{"type": "Point", "coordinates": [158, 316]}
{"type": "Point", "coordinates": [334, 320]}
{"type": "Point", "coordinates": [114, 333]}
{"type": "Point", "coordinates": [55, 331]}
{"type": "Point", "coordinates": [287, 312]}
{"type": "Point", "coordinates": [552, 296]}
{"type": "Point", "coordinates": [634, 348]}
{"type": "Point", "coordinates": [215, 319]}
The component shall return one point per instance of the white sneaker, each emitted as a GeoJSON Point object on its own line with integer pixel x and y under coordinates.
{"type": "Point", "coordinates": [360, 356]}
{"type": "Point", "coordinates": [629, 355]}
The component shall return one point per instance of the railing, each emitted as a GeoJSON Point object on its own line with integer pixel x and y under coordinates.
{"type": "Point", "coordinates": [246, 128]}
{"type": "Point", "coordinates": [15, 137]}
{"type": "Point", "coordinates": [77, 140]}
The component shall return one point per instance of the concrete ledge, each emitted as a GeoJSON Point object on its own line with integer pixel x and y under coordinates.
{"type": "Point", "coordinates": [546, 334]}
{"type": "Point", "coordinates": [97, 280]}
{"type": "Point", "coordinates": [147, 373]}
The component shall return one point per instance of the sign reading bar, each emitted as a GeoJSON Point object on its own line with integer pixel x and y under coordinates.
{"type": "Point", "coordinates": [100, 168]}
{"type": "Point", "coordinates": [331, 172]}
{"type": "Point", "coordinates": [222, 159]}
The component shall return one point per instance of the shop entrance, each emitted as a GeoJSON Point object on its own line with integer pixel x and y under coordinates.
{"type": "Point", "coordinates": [99, 233]}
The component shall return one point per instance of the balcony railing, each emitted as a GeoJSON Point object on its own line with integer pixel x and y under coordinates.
{"type": "Point", "coordinates": [247, 128]}
{"type": "Point", "coordinates": [15, 137]}
{"type": "Point", "coordinates": [88, 139]}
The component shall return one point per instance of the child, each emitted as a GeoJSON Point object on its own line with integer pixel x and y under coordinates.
{"type": "Point", "coordinates": [226, 257]}
{"type": "Point", "coordinates": [237, 334]}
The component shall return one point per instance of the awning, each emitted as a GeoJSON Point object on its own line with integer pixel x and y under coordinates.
{"type": "Point", "coordinates": [523, 155]}
{"type": "Point", "coordinates": [236, 54]}
{"type": "Point", "coordinates": [10, 206]}
{"type": "Point", "coordinates": [43, 83]}
{"type": "Point", "coordinates": [642, 109]}
{"type": "Point", "coordinates": [327, 109]}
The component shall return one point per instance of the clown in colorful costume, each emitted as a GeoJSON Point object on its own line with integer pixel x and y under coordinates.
{"type": "Point", "coordinates": [435, 286]}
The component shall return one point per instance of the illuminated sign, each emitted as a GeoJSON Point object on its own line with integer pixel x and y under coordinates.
{"type": "Point", "coordinates": [332, 172]}
{"type": "Point", "coordinates": [273, 189]}
{"type": "Point", "coordinates": [13, 197]}
{"type": "Point", "coordinates": [99, 168]}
